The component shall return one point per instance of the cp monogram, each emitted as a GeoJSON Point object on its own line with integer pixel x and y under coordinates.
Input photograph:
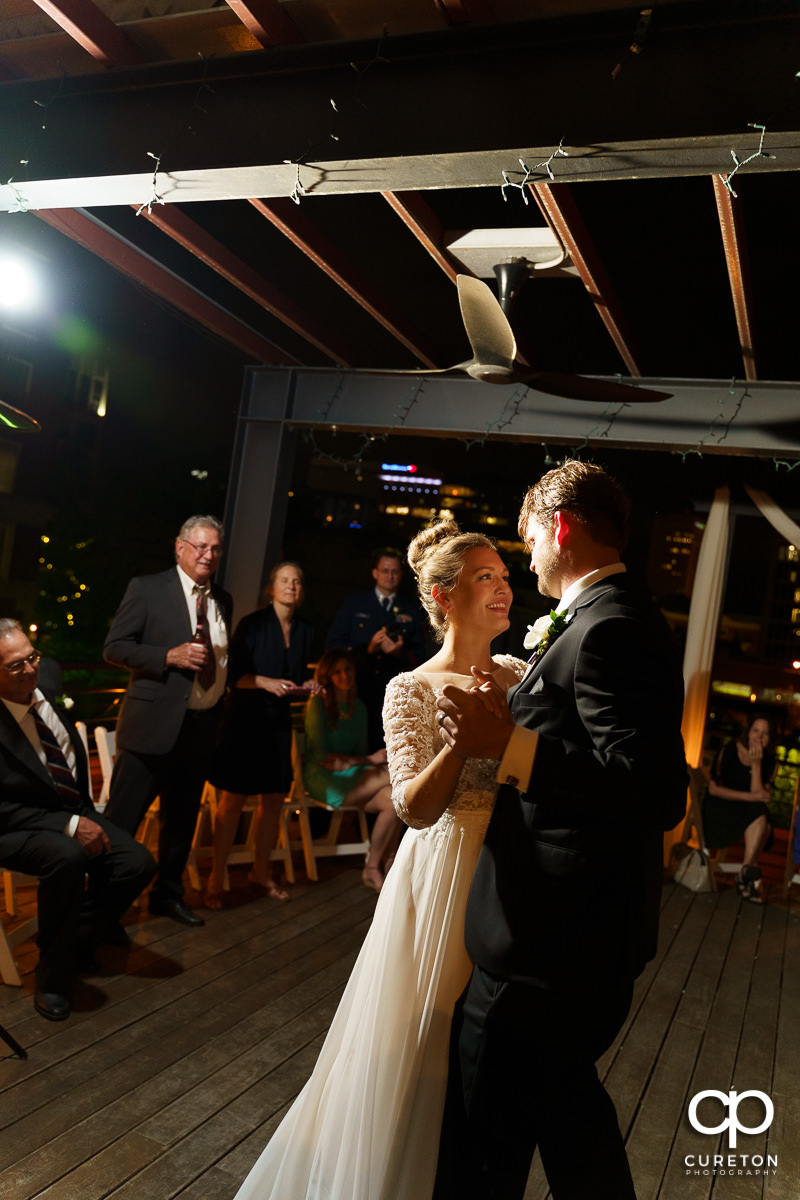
{"type": "Point", "coordinates": [731, 1101]}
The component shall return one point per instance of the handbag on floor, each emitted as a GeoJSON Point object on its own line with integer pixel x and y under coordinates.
{"type": "Point", "coordinates": [690, 868]}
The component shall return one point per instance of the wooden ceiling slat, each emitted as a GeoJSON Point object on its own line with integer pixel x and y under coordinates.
{"type": "Point", "coordinates": [172, 221]}
{"type": "Point", "coordinates": [417, 214]}
{"type": "Point", "coordinates": [119, 253]}
{"type": "Point", "coordinates": [268, 21]}
{"type": "Point", "coordinates": [286, 216]}
{"type": "Point", "coordinates": [731, 224]}
{"type": "Point", "coordinates": [561, 213]}
{"type": "Point", "coordinates": [96, 33]}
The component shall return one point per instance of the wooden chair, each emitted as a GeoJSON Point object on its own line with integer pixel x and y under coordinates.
{"type": "Point", "coordinates": [792, 870]}
{"type": "Point", "coordinates": [83, 734]}
{"type": "Point", "coordinates": [9, 971]}
{"type": "Point", "coordinates": [242, 851]}
{"type": "Point", "coordinates": [105, 742]}
{"type": "Point", "coordinates": [693, 830]}
{"type": "Point", "coordinates": [300, 803]}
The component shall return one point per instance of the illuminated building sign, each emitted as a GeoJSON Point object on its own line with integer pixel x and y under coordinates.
{"type": "Point", "coordinates": [405, 468]}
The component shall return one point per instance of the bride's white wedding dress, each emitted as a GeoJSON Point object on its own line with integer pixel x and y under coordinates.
{"type": "Point", "coordinates": [366, 1125]}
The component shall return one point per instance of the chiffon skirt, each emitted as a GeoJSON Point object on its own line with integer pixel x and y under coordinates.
{"type": "Point", "coordinates": [366, 1125]}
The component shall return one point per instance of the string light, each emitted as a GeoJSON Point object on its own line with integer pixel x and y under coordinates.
{"type": "Point", "coordinates": [155, 198]}
{"type": "Point", "coordinates": [20, 202]}
{"type": "Point", "coordinates": [530, 171]}
{"type": "Point", "coordinates": [759, 153]}
{"type": "Point", "coordinates": [514, 402]}
{"type": "Point", "coordinates": [299, 190]}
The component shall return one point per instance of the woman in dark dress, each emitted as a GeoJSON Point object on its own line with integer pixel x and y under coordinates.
{"type": "Point", "coordinates": [268, 662]}
{"type": "Point", "coordinates": [737, 799]}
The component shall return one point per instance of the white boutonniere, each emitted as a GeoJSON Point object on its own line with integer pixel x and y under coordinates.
{"type": "Point", "coordinates": [65, 702]}
{"type": "Point", "coordinates": [544, 631]}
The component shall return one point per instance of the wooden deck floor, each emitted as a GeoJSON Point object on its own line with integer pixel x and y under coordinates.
{"type": "Point", "coordinates": [181, 1057]}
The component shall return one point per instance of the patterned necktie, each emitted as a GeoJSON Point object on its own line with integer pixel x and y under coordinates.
{"type": "Point", "coordinates": [207, 674]}
{"type": "Point", "coordinates": [57, 764]}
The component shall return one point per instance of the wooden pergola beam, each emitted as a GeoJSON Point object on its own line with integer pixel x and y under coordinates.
{"type": "Point", "coordinates": [96, 33]}
{"type": "Point", "coordinates": [731, 224]}
{"type": "Point", "coordinates": [287, 217]}
{"type": "Point", "coordinates": [417, 214]}
{"type": "Point", "coordinates": [119, 253]}
{"type": "Point", "coordinates": [268, 21]}
{"type": "Point", "coordinates": [182, 229]}
{"type": "Point", "coordinates": [561, 213]}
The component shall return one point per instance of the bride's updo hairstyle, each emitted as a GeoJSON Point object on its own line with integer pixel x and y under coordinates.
{"type": "Point", "coordinates": [436, 556]}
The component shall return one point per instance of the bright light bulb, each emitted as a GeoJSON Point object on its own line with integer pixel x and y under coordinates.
{"type": "Point", "coordinates": [17, 284]}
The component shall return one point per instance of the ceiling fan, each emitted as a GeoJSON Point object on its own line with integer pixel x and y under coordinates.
{"type": "Point", "coordinates": [494, 347]}
{"type": "Point", "coordinates": [12, 418]}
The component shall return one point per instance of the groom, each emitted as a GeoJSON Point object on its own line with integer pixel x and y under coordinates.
{"type": "Point", "coordinates": [563, 911]}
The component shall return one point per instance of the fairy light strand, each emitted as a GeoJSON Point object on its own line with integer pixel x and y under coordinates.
{"type": "Point", "coordinates": [155, 198]}
{"type": "Point", "coordinates": [529, 172]}
{"type": "Point", "coordinates": [739, 164]}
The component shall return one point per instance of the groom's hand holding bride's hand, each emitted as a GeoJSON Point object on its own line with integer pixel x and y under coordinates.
{"type": "Point", "coordinates": [463, 719]}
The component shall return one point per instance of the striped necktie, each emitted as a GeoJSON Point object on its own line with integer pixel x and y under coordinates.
{"type": "Point", "coordinates": [57, 764]}
{"type": "Point", "coordinates": [207, 675]}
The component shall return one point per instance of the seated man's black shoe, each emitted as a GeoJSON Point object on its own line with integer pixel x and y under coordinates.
{"type": "Point", "coordinates": [115, 935]}
{"type": "Point", "coordinates": [176, 909]}
{"type": "Point", "coordinates": [51, 1005]}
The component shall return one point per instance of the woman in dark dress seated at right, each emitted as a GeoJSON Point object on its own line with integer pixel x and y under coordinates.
{"type": "Point", "coordinates": [737, 799]}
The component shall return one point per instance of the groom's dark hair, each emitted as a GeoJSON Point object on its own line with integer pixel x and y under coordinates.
{"type": "Point", "coordinates": [595, 499]}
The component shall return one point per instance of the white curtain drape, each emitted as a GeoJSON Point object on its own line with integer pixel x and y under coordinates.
{"type": "Point", "coordinates": [704, 613]}
{"type": "Point", "coordinates": [777, 518]}
{"type": "Point", "coordinates": [701, 634]}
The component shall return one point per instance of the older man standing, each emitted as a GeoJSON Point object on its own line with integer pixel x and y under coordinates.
{"type": "Point", "coordinates": [49, 828]}
{"type": "Point", "coordinates": [171, 630]}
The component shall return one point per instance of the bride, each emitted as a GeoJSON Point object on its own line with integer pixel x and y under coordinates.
{"type": "Point", "coordinates": [366, 1125]}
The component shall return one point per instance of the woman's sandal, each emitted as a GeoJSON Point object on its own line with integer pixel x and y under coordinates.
{"type": "Point", "coordinates": [211, 899]}
{"type": "Point", "coordinates": [270, 888]}
{"type": "Point", "coordinates": [746, 882]}
{"type": "Point", "coordinates": [372, 877]}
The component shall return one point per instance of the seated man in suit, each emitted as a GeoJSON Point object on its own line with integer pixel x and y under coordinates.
{"type": "Point", "coordinates": [384, 632]}
{"type": "Point", "coordinates": [49, 828]}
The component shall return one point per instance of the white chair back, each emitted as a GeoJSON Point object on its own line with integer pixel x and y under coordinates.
{"type": "Point", "coordinates": [106, 751]}
{"type": "Point", "coordinates": [83, 734]}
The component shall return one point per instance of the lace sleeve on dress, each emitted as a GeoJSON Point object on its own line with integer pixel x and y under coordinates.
{"type": "Point", "coordinates": [516, 666]}
{"type": "Point", "coordinates": [409, 722]}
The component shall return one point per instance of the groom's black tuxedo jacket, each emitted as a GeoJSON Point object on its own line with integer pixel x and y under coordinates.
{"type": "Point", "coordinates": [568, 883]}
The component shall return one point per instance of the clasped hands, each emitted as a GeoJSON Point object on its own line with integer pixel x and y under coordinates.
{"type": "Point", "coordinates": [381, 641]}
{"type": "Point", "coordinates": [475, 723]}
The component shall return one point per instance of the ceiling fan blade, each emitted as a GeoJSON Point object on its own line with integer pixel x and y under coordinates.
{"type": "Point", "coordinates": [457, 369]}
{"type": "Point", "coordinates": [488, 330]}
{"type": "Point", "coordinates": [579, 387]}
{"type": "Point", "coordinates": [12, 418]}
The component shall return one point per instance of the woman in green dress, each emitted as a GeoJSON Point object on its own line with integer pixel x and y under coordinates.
{"type": "Point", "coordinates": [338, 769]}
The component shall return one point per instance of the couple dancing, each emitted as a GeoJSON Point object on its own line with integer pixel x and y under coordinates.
{"type": "Point", "coordinates": [500, 1058]}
